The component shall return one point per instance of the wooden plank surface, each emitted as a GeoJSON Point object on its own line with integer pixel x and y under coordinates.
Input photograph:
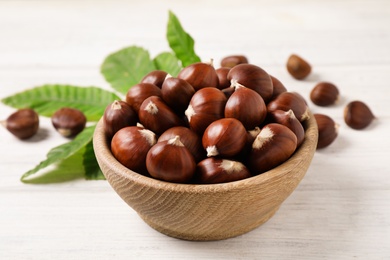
{"type": "Point", "coordinates": [341, 209]}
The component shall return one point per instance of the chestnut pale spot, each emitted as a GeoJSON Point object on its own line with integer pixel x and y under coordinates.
{"type": "Point", "coordinates": [189, 112]}
{"type": "Point", "coordinates": [151, 108]}
{"type": "Point", "coordinates": [149, 136]}
{"type": "Point", "coordinates": [265, 135]}
{"type": "Point", "coordinates": [231, 166]}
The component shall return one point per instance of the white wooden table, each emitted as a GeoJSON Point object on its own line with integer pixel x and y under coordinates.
{"type": "Point", "coordinates": [341, 210]}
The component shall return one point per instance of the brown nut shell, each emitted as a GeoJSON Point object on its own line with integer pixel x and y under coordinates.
{"type": "Point", "coordinates": [177, 93]}
{"type": "Point", "coordinates": [139, 92]}
{"type": "Point", "coordinates": [69, 121]}
{"type": "Point", "coordinates": [253, 77]}
{"type": "Point", "coordinates": [287, 118]}
{"type": "Point", "coordinates": [233, 60]}
{"type": "Point", "coordinates": [222, 77]}
{"type": "Point", "coordinates": [189, 138]}
{"type": "Point", "coordinates": [247, 106]}
{"type": "Point", "coordinates": [156, 115]}
{"type": "Point", "coordinates": [224, 137]}
{"type": "Point", "coordinates": [206, 106]}
{"type": "Point", "coordinates": [278, 87]}
{"type": "Point", "coordinates": [171, 161]}
{"type": "Point", "coordinates": [298, 67]}
{"type": "Point", "coordinates": [200, 75]}
{"type": "Point", "coordinates": [358, 115]}
{"type": "Point", "coordinates": [289, 100]}
{"type": "Point", "coordinates": [117, 115]}
{"type": "Point", "coordinates": [23, 123]}
{"type": "Point", "coordinates": [272, 146]}
{"type": "Point", "coordinates": [130, 146]}
{"type": "Point", "coordinates": [324, 94]}
{"type": "Point", "coordinates": [155, 77]}
{"type": "Point", "coordinates": [213, 170]}
{"type": "Point", "coordinates": [327, 130]}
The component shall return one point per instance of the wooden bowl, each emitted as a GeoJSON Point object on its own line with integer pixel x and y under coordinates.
{"type": "Point", "coordinates": [206, 212]}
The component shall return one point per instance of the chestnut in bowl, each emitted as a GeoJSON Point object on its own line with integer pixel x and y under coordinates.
{"type": "Point", "coordinates": [207, 211]}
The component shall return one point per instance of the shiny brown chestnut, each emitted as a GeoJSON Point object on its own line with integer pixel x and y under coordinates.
{"type": "Point", "coordinates": [189, 138]}
{"type": "Point", "coordinates": [155, 77]}
{"type": "Point", "coordinates": [222, 77]}
{"type": "Point", "coordinates": [23, 123]}
{"type": "Point", "coordinates": [117, 115]}
{"type": "Point", "coordinates": [69, 121]}
{"type": "Point", "coordinates": [177, 93]}
{"type": "Point", "coordinates": [289, 100]}
{"type": "Point", "coordinates": [327, 130]}
{"type": "Point", "coordinates": [273, 145]}
{"type": "Point", "coordinates": [224, 137]}
{"type": "Point", "coordinates": [358, 115]}
{"type": "Point", "coordinates": [253, 77]}
{"type": "Point", "coordinates": [324, 94]}
{"type": "Point", "coordinates": [298, 67]}
{"type": "Point", "coordinates": [155, 115]}
{"type": "Point", "coordinates": [233, 60]}
{"type": "Point", "coordinates": [213, 170]}
{"type": "Point", "coordinates": [247, 106]}
{"type": "Point", "coordinates": [130, 146]}
{"type": "Point", "coordinates": [278, 87]}
{"type": "Point", "coordinates": [206, 106]}
{"type": "Point", "coordinates": [139, 92]}
{"type": "Point", "coordinates": [287, 118]}
{"type": "Point", "coordinates": [200, 75]}
{"type": "Point", "coordinates": [171, 161]}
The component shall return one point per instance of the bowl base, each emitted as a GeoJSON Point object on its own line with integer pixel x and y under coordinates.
{"type": "Point", "coordinates": [209, 236]}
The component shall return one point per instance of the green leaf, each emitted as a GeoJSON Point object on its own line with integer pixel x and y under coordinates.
{"type": "Point", "coordinates": [180, 41]}
{"type": "Point", "coordinates": [168, 62]}
{"type": "Point", "coordinates": [91, 167]}
{"type": "Point", "coordinates": [125, 68]}
{"type": "Point", "coordinates": [64, 151]}
{"type": "Point", "coordinates": [68, 169]}
{"type": "Point", "coordinates": [47, 99]}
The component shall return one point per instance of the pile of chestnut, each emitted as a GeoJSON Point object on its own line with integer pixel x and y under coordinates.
{"type": "Point", "coordinates": [206, 125]}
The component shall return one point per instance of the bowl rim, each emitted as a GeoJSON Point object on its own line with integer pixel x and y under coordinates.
{"type": "Point", "coordinates": [305, 152]}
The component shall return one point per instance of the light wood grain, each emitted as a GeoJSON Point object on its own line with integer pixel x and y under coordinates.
{"type": "Point", "coordinates": [207, 212]}
{"type": "Point", "coordinates": [340, 210]}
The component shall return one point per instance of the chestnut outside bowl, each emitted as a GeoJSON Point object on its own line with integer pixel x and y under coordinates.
{"type": "Point", "coordinates": [207, 212]}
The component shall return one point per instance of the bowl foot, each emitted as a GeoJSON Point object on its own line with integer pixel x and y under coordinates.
{"type": "Point", "coordinates": [219, 234]}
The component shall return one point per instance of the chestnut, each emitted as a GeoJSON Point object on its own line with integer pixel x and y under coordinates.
{"type": "Point", "coordinates": [139, 92]}
{"type": "Point", "coordinates": [69, 121]}
{"type": "Point", "coordinates": [117, 115]}
{"type": "Point", "coordinates": [273, 145]}
{"type": "Point", "coordinates": [247, 106]}
{"type": "Point", "coordinates": [289, 100]}
{"type": "Point", "coordinates": [278, 87]}
{"type": "Point", "coordinates": [287, 118]}
{"type": "Point", "coordinates": [213, 170]}
{"type": "Point", "coordinates": [358, 115]}
{"type": "Point", "coordinates": [130, 146]}
{"type": "Point", "coordinates": [156, 115]}
{"type": "Point", "coordinates": [298, 67]}
{"type": "Point", "coordinates": [222, 77]}
{"type": "Point", "coordinates": [23, 123]}
{"type": "Point", "coordinates": [327, 130]}
{"type": "Point", "coordinates": [177, 93]}
{"type": "Point", "coordinates": [324, 94]}
{"type": "Point", "coordinates": [189, 138]}
{"type": "Point", "coordinates": [253, 77]}
{"type": "Point", "coordinates": [171, 161]}
{"type": "Point", "coordinates": [206, 106]}
{"type": "Point", "coordinates": [224, 137]}
{"type": "Point", "coordinates": [233, 60]}
{"type": "Point", "coordinates": [155, 77]}
{"type": "Point", "coordinates": [199, 75]}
